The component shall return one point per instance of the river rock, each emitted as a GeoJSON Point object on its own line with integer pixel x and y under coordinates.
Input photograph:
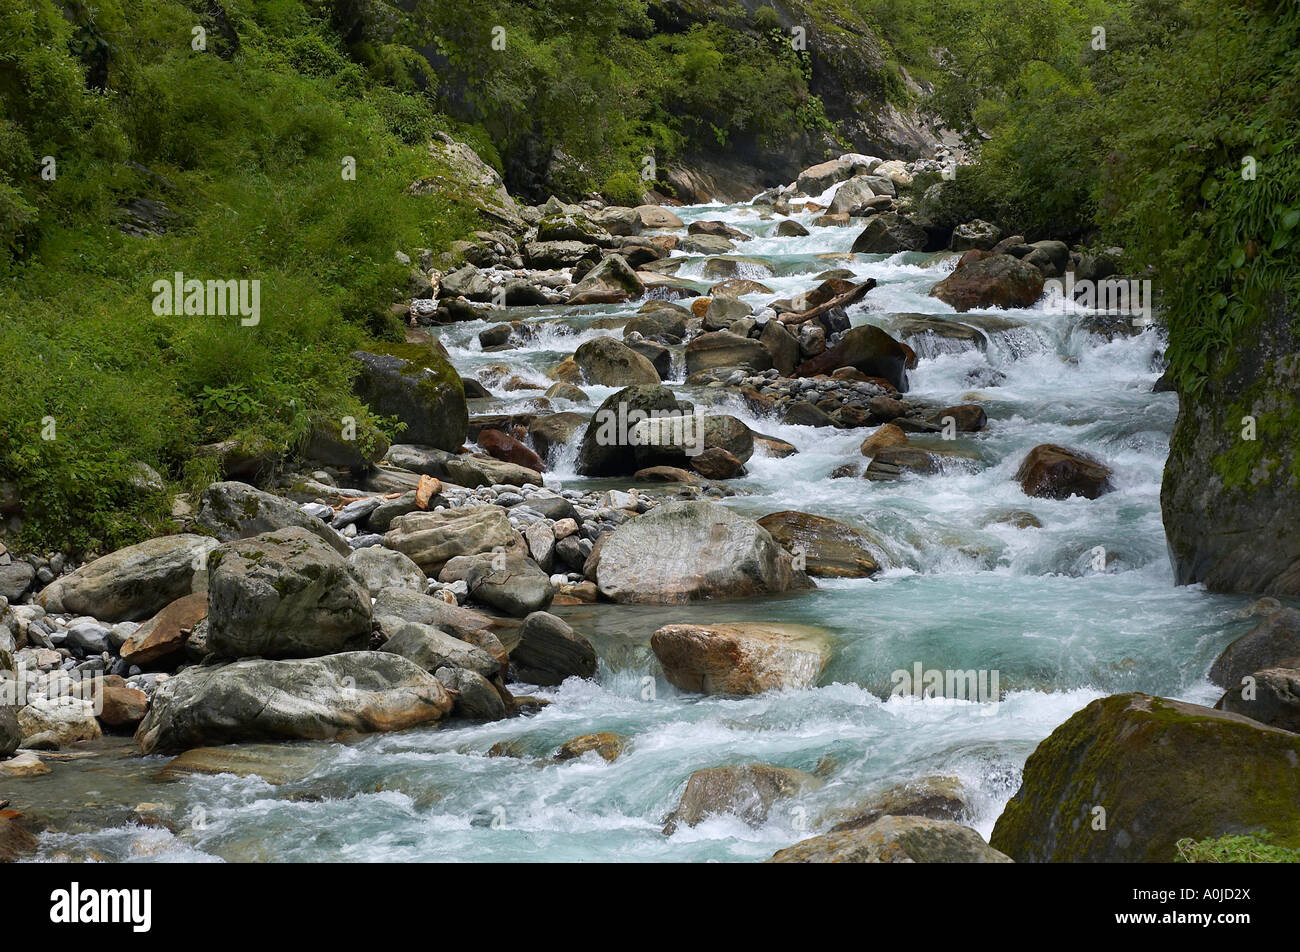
{"type": "Point", "coordinates": [818, 178]}
{"type": "Point", "coordinates": [475, 471]}
{"type": "Point", "coordinates": [549, 651]}
{"type": "Point", "coordinates": [431, 539]}
{"type": "Point", "coordinates": [284, 594]}
{"type": "Point", "coordinates": [58, 722]}
{"type": "Point", "coordinates": [744, 658]}
{"type": "Point", "coordinates": [554, 431]}
{"type": "Point", "coordinates": [475, 697]}
{"type": "Point", "coordinates": [747, 791]}
{"type": "Point", "coordinates": [161, 639]}
{"type": "Point", "coordinates": [684, 551]}
{"type": "Point", "coordinates": [16, 841]}
{"type": "Point", "coordinates": [380, 568]}
{"type": "Point", "coordinates": [1275, 637]}
{"type": "Point", "coordinates": [513, 584]}
{"type": "Point", "coordinates": [982, 281]}
{"type": "Point", "coordinates": [830, 549]}
{"type": "Point", "coordinates": [606, 449]}
{"type": "Point", "coordinates": [975, 234]}
{"type": "Point", "coordinates": [725, 349]}
{"type": "Point", "coordinates": [432, 648]}
{"type": "Point", "coordinates": [608, 745]}
{"type": "Point", "coordinates": [938, 798]}
{"type": "Point", "coordinates": [234, 510]}
{"type": "Point", "coordinates": [889, 233]}
{"type": "Point", "coordinates": [866, 348]}
{"type": "Point", "coordinates": [132, 583]}
{"type": "Point", "coordinates": [671, 441]}
{"type": "Point", "coordinates": [656, 216]}
{"type": "Point", "coordinates": [122, 706]}
{"type": "Point", "coordinates": [394, 607]}
{"type": "Point", "coordinates": [504, 447]}
{"type": "Point", "coordinates": [609, 282]}
{"type": "Point", "coordinates": [895, 839]}
{"type": "Point", "coordinates": [611, 363]}
{"type": "Point", "coordinates": [314, 699]}
{"type": "Point", "coordinates": [1054, 472]}
{"type": "Point", "coordinates": [419, 386]}
{"type": "Point", "coordinates": [1162, 770]}
{"type": "Point", "coordinates": [1272, 697]}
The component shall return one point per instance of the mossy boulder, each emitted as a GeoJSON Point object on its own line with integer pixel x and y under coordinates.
{"type": "Point", "coordinates": [895, 839]}
{"type": "Point", "coordinates": [1231, 492]}
{"type": "Point", "coordinates": [419, 386]}
{"type": "Point", "coordinates": [1160, 770]}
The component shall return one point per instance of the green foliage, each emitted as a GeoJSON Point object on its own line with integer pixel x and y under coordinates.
{"type": "Point", "coordinates": [247, 153]}
{"type": "Point", "coordinates": [1248, 848]}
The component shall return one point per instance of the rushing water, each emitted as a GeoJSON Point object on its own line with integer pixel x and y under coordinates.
{"type": "Point", "coordinates": [961, 590]}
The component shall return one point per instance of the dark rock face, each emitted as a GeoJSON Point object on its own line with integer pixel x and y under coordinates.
{"type": "Point", "coordinates": [420, 387]}
{"type": "Point", "coordinates": [889, 233]}
{"type": "Point", "coordinates": [606, 449]}
{"type": "Point", "coordinates": [1273, 698]}
{"type": "Point", "coordinates": [1160, 770]}
{"type": "Point", "coordinates": [1231, 504]}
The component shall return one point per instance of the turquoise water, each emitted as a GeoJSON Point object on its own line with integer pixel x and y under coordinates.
{"type": "Point", "coordinates": [959, 591]}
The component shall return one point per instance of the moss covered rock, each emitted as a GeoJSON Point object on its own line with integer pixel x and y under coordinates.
{"type": "Point", "coordinates": [1160, 770]}
{"type": "Point", "coordinates": [1231, 491]}
{"type": "Point", "coordinates": [419, 386]}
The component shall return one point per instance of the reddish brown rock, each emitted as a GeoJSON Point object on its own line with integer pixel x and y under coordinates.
{"type": "Point", "coordinates": [717, 463]}
{"type": "Point", "coordinates": [507, 449]}
{"type": "Point", "coordinates": [123, 706]}
{"type": "Point", "coordinates": [1054, 472]}
{"type": "Point", "coordinates": [982, 280]}
{"type": "Point", "coordinates": [164, 635]}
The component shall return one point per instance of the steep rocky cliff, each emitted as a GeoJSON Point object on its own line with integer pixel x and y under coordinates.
{"type": "Point", "coordinates": [1231, 502]}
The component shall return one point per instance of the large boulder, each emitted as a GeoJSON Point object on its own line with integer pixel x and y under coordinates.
{"type": "Point", "coordinates": [58, 722]}
{"type": "Point", "coordinates": [1127, 777]}
{"type": "Point", "coordinates": [938, 798]}
{"type": "Point", "coordinates": [818, 178]}
{"type": "Point", "coordinates": [313, 699]}
{"type": "Point", "coordinates": [431, 648]}
{"type": "Point", "coordinates": [895, 839]}
{"type": "Point", "coordinates": [550, 651]}
{"type": "Point", "coordinates": [234, 510]}
{"type": "Point", "coordinates": [284, 594]}
{"type": "Point", "coordinates": [1274, 639]}
{"type": "Point", "coordinates": [673, 441]}
{"type": "Point", "coordinates": [656, 216]}
{"type": "Point", "coordinates": [685, 551]}
{"type": "Point", "coordinates": [606, 448]}
{"type": "Point", "coordinates": [866, 348]}
{"type": "Point", "coordinates": [830, 549]}
{"type": "Point", "coordinates": [1054, 472]}
{"type": "Point", "coordinates": [889, 233]}
{"type": "Point", "coordinates": [513, 583]}
{"type": "Point", "coordinates": [431, 539]}
{"type": "Point", "coordinates": [555, 430]}
{"type": "Point", "coordinates": [981, 281]}
{"type": "Point", "coordinates": [725, 349]}
{"type": "Point", "coordinates": [611, 363]}
{"type": "Point", "coordinates": [380, 568]}
{"type": "Point", "coordinates": [133, 583]}
{"type": "Point", "coordinates": [419, 386]}
{"type": "Point", "coordinates": [747, 791]}
{"type": "Point", "coordinates": [609, 282]}
{"type": "Point", "coordinates": [395, 607]}
{"type": "Point", "coordinates": [744, 658]}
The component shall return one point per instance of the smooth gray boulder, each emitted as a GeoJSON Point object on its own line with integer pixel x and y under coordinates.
{"type": "Point", "coordinates": [133, 583]}
{"type": "Point", "coordinates": [895, 839]}
{"type": "Point", "coordinates": [284, 594]}
{"type": "Point", "coordinates": [432, 648]}
{"type": "Point", "coordinates": [380, 568]}
{"type": "Point", "coordinates": [685, 551]}
{"type": "Point", "coordinates": [312, 699]}
{"type": "Point", "coordinates": [431, 539]}
{"type": "Point", "coordinates": [550, 651]}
